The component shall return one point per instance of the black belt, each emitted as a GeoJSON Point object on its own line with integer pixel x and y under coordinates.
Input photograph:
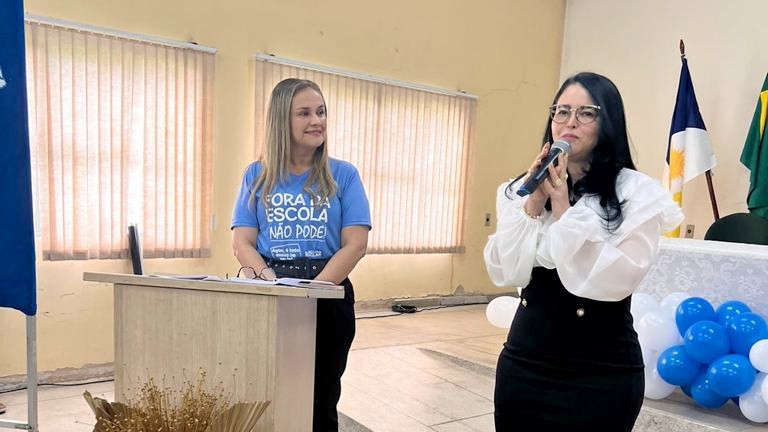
{"type": "Point", "coordinates": [302, 268]}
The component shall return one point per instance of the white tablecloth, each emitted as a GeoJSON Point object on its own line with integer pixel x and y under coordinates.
{"type": "Point", "coordinates": [716, 271]}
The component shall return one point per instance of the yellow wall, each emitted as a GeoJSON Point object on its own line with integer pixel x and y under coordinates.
{"type": "Point", "coordinates": [505, 51]}
{"type": "Point", "coordinates": [636, 45]}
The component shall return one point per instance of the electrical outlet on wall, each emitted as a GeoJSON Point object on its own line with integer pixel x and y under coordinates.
{"type": "Point", "coordinates": [689, 231]}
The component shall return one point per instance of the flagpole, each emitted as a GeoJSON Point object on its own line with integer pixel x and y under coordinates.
{"type": "Point", "coordinates": [712, 199]}
{"type": "Point", "coordinates": [708, 173]}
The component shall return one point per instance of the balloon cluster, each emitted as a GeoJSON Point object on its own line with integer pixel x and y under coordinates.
{"type": "Point", "coordinates": [713, 355]}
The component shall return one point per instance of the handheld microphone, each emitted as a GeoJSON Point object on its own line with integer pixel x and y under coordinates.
{"type": "Point", "coordinates": [558, 147]}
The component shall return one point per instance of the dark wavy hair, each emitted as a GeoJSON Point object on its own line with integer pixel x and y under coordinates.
{"type": "Point", "coordinates": [612, 151]}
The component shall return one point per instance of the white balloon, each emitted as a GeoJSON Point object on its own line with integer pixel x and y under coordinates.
{"type": "Point", "coordinates": [670, 303]}
{"type": "Point", "coordinates": [758, 355]}
{"type": "Point", "coordinates": [657, 332]}
{"type": "Point", "coordinates": [642, 303]}
{"type": "Point", "coordinates": [650, 356]}
{"type": "Point", "coordinates": [655, 387]}
{"type": "Point", "coordinates": [763, 388]}
{"type": "Point", "coordinates": [501, 311]}
{"type": "Point", "coordinates": [752, 404]}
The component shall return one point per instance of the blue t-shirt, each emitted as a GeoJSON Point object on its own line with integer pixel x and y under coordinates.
{"type": "Point", "coordinates": [291, 226]}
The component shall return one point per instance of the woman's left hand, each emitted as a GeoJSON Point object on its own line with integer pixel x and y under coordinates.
{"type": "Point", "coordinates": [556, 186]}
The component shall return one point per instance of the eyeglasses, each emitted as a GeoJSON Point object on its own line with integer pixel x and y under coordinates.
{"type": "Point", "coordinates": [247, 272]}
{"type": "Point", "coordinates": [585, 114]}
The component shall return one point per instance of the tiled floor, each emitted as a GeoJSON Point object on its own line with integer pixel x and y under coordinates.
{"type": "Point", "coordinates": [60, 409]}
{"type": "Point", "coordinates": [429, 371]}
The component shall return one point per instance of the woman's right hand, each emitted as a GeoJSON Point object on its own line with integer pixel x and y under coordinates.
{"type": "Point", "coordinates": [267, 274]}
{"type": "Point", "coordinates": [538, 198]}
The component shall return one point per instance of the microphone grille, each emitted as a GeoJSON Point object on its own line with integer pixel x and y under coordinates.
{"type": "Point", "coordinates": [565, 146]}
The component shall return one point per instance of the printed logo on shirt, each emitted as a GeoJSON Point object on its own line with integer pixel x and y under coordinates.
{"type": "Point", "coordinates": [295, 217]}
{"type": "Point", "coordinates": [286, 251]}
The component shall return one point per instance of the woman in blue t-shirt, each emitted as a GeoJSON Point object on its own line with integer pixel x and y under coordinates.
{"type": "Point", "coordinates": [301, 214]}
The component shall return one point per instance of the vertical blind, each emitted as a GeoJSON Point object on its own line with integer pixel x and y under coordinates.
{"type": "Point", "coordinates": [121, 133]}
{"type": "Point", "coordinates": [410, 146]}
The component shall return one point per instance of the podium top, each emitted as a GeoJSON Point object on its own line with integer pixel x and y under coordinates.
{"type": "Point", "coordinates": [332, 292]}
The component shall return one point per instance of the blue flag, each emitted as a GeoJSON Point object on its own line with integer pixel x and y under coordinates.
{"type": "Point", "coordinates": [689, 152]}
{"type": "Point", "coordinates": [17, 241]}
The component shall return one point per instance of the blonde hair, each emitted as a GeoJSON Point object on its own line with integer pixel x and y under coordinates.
{"type": "Point", "coordinates": [276, 154]}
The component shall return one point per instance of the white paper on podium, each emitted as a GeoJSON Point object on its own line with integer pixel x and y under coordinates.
{"type": "Point", "coordinates": [250, 281]}
{"type": "Point", "coordinates": [290, 282]}
{"type": "Point", "coordinates": [308, 283]}
{"type": "Point", "coordinates": [200, 277]}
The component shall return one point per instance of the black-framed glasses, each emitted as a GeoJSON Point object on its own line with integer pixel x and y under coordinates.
{"type": "Point", "coordinates": [248, 272]}
{"type": "Point", "coordinates": [585, 114]}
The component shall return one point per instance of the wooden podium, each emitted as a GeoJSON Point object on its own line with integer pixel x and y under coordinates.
{"type": "Point", "coordinates": [259, 341]}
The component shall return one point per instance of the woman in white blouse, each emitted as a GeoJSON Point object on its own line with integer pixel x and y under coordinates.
{"type": "Point", "coordinates": [579, 245]}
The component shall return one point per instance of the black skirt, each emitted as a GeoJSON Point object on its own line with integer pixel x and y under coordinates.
{"type": "Point", "coordinates": [569, 363]}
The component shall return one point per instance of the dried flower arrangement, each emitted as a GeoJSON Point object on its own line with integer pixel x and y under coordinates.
{"type": "Point", "coordinates": [193, 408]}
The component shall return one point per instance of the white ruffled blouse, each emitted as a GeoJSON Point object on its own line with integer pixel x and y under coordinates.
{"type": "Point", "coordinates": [590, 261]}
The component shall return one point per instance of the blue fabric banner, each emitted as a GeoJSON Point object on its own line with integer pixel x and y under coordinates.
{"type": "Point", "coordinates": [17, 242]}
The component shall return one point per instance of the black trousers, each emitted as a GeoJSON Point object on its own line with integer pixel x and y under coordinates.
{"type": "Point", "coordinates": [335, 332]}
{"type": "Point", "coordinates": [333, 339]}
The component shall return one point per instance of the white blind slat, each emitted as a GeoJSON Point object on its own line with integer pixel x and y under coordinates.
{"type": "Point", "coordinates": [121, 134]}
{"type": "Point", "coordinates": [410, 144]}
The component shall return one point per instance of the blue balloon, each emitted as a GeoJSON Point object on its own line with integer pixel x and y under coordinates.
{"type": "Point", "coordinates": [726, 311]}
{"type": "Point", "coordinates": [676, 367]}
{"type": "Point", "coordinates": [691, 311]}
{"type": "Point", "coordinates": [744, 330]}
{"type": "Point", "coordinates": [706, 341]}
{"type": "Point", "coordinates": [687, 389]}
{"type": "Point", "coordinates": [731, 375]}
{"type": "Point", "coordinates": [703, 394]}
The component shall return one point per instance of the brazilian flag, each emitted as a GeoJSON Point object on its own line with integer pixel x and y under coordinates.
{"type": "Point", "coordinates": [755, 156]}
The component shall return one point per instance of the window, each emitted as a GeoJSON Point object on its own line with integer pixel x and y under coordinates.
{"type": "Point", "coordinates": [121, 133]}
{"type": "Point", "coordinates": [409, 143]}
